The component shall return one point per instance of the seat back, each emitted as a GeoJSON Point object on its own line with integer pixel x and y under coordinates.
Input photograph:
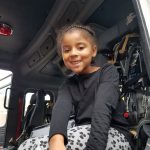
{"type": "Point", "coordinates": [37, 116]}
{"type": "Point", "coordinates": [29, 111]}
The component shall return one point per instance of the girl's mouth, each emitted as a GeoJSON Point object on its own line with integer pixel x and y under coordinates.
{"type": "Point", "coordinates": [75, 63]}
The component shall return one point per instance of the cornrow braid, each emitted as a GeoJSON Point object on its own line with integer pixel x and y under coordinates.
{"type": "Point", "coordinates": [67, 28]}
{"type": "Point", "coordinates": [86, 28]}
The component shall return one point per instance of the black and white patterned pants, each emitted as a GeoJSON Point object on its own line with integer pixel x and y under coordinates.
{"type": "Point", "coordinates": [77, 139]}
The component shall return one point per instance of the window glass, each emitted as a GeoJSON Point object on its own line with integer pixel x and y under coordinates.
{"type": "Point", "coordinates": [28, 98]}
{"type": "Point", "coordinates": [47, 97]}
{"type": "Point", "coordinates": [27, 101]}
{"type": "Point", "coordinates": [145, 6]}
{"type": "Point", "coordinates": [5, 82]}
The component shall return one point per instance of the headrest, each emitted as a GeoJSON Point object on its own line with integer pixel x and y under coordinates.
{"type": "Point", "coordinates": [33, 99]}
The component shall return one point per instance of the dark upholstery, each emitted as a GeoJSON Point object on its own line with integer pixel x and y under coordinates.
{"type": "Point", "coordinates": [37, 117]}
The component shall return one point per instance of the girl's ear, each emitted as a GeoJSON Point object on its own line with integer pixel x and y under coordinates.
{"type": "Point", "coordinates": [94, 50]}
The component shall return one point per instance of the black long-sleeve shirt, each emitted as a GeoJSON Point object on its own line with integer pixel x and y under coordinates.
{"type": "Point", "coordinates": [94, 97]}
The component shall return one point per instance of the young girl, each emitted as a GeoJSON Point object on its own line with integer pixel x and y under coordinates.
{"type": "Point", "coordinates": [93, 93]}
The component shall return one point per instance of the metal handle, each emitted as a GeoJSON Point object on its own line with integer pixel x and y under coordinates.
{"type": "Point", "coordinates": [5, 99]}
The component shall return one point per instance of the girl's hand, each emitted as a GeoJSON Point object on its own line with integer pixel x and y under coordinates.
{"type": "Point", "coordinates": [57, 146]}
{"type": "Point", "coordinates": [57, 142]}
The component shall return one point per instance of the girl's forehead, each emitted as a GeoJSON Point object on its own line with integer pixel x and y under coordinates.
{"type": "Point", "coordinates": [74, 31]}
{"type": "Point", "coordinates": [76, 34]}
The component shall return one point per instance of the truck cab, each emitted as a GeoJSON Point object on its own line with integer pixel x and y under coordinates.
{"type": "Point", "coordinates": [28, 54]}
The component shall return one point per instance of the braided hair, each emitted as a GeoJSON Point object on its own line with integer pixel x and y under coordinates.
{"type": "Point", "coordinates": [83, 28]}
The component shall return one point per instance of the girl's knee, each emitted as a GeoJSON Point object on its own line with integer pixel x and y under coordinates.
{"type": "Point", "coordinates": [117, 140]}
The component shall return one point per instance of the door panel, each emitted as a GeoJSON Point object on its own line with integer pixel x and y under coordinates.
{"type": "Point", "coordinates": [5, 82]}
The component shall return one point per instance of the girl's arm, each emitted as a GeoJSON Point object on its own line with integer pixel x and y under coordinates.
{"type": "Point", "coordinates": [59, 121]}
{"type": "Point", "coordinates": [57, 142]}
{"type": "Point", "coordinates": [105, 102]}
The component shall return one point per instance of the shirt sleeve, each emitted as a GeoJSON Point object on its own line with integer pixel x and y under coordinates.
{"type": "Point", "coordinates": [61, 113]}
{"type": "Point", "coordinates": [105, 102]}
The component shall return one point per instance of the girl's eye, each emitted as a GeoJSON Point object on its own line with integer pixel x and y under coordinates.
{"type": "Point", "coordinates": [66, 50]}
{"type": "Point", "coordinates": [81, 47]}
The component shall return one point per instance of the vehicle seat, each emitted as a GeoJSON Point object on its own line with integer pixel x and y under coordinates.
{"type": "Point", "coordinates": [37, 116]}
{"type": "Point", "coordinates": [29, 111]}
{"type": "Point", "coordinates": [143, 134]}
{"type": "Point", "coordinates": [34, 117]}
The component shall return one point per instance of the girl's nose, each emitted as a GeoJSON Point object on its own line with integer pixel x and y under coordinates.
{"type": "Point", "coordinates": [73, 52]}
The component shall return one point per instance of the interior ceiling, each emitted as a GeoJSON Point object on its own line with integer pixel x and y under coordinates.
{"type": "Point", "coordinates": [111, 12]}
{"type": "Point", "coordinates": [28, 17]}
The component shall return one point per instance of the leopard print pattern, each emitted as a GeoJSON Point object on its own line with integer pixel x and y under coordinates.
{"type": "Point", "coordinates": [77, 139]}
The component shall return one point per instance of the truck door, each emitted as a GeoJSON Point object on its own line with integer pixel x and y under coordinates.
{"type": "Point", "coordinates": [5, 82]}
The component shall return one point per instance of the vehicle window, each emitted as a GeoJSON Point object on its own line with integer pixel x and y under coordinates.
{"type": "Point", "coordinates": [27, 101]}
{"type": "Point", "coordinates": [145, 5]}
{"type": "Point", "coordinates": [47, 97]}
{"type": "Point", "coordinates": [5, 82]}
{"type": "Point", "coordinates": [28, 98]}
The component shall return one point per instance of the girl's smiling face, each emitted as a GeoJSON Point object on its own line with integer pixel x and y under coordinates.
{"type": "Point", "coordinates": [78, 49]}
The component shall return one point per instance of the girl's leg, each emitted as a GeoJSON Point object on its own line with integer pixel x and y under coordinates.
{"type": "Point", "coordinates": [117, 141]}
{"type": "Point", "coordinates": [78, 137]}
{"type": "Point", "coordinates": [41, 142]}
{"type": "Point", "coordinates": [36, 143]}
